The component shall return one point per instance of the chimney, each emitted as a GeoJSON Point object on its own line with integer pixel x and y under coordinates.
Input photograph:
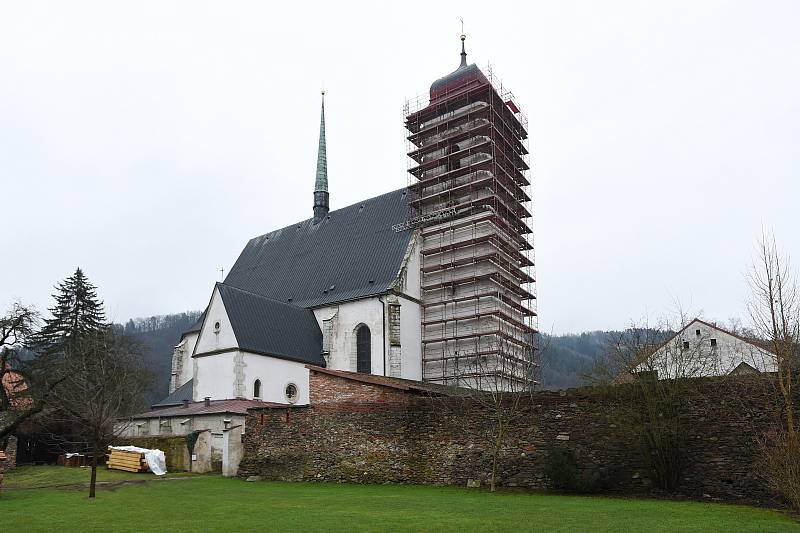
{"type": "Point", "coordinates": [185, 404]}
{"type": "Point", "coordinates": [207, 401]}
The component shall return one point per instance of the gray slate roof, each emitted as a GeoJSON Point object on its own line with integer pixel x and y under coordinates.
{"type": "Point", "coordinates": [353, 253]}
{"type": "Point", "coordinates": [184, 392]}
{"type": "Point", "coordinates": [269, 327]}
{"type": "Point", "coordinates": [197, 325]}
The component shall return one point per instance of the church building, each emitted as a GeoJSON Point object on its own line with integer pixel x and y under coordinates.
{"type": "Point", "coordinates": [431, 282]}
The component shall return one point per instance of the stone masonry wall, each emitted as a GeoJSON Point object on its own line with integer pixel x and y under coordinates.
{"type": "Point", "coordinates": [366, 433]}
{"type": "Point", "coordinates": [11, 452]}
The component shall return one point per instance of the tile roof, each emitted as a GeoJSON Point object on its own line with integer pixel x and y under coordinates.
{"type": "Point", "coordinates": [352, 253]}
{"type": "Point", "coordinates": [235, 407]}
{"type": "Point", "coordinates": [269, 327]}
{"type": "Point", "coordinates": [197, 325]}
{"type": "Point", "coordinates": [394, 383]}
{"type": "Point", "coordinates": [184, 392]}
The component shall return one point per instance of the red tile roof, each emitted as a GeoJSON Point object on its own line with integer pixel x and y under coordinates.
{"type": "Point", "coordinates": [384, 381]}
{"type": "Point", "coordinates": [235, 407]}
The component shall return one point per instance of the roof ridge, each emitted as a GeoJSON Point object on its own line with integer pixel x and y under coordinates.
{"type": "Point", "coordinates": [262, 296]}
{"type": "Point", "coordinates": [295, 224]}
{"type": "Point", "coordinates": [731, 333]}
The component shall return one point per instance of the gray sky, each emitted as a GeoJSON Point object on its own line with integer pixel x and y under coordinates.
{"type": "Point", "coordinates": [148, 141]}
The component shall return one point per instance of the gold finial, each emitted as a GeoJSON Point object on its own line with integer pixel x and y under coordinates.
{"type": "Point", "coordinates": [323, 92]}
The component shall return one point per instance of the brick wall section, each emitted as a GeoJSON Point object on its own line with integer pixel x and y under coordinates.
{"type": "Point", "coordinates": [364, 433]}
{"type": "Point", "coordinates": [339, 393]}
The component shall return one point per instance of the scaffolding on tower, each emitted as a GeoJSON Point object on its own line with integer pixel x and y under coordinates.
{"type": "Point", "coordinates": [469, 195]}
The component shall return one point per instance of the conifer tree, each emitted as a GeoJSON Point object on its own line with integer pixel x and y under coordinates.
{"type": "Point", "coordinates": [77, 313]}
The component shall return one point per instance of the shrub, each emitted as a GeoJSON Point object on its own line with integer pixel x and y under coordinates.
{"type": "Point", "coordinates": [778, 464]}
{"type": "Point", "coordinates": [562, 472]}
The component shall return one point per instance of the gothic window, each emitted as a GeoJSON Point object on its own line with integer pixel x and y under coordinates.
{"type": "Point", "coordinates": [363, 350]}
{"type": "Point", "coordinates": [257, 389]}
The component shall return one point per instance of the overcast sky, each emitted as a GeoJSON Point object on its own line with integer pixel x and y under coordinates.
{"type": "Point", "coordinates": [148, 141]}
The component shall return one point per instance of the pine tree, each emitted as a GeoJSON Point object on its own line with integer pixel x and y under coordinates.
{"type": "Point", "coordinates": [77, 313]}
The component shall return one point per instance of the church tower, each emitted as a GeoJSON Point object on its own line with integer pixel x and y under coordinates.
{"type": "Point", "coordinates": [321, 196]}
{"type": "Point", "coordinates": [469, 196]}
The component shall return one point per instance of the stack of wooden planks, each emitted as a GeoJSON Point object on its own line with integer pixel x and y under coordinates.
{"type": "Point", "coordinates": [127, 461]}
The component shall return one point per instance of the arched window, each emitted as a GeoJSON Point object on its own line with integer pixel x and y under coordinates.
{"type": "Point", "coordinates": [257, 389]}
{"type": "Point", "coordinates": [363, 350]}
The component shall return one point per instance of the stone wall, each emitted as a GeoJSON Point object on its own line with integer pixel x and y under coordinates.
{"type": "Point", "coordinates": [11, 452]}
{"type": "Point", "coordinates": [370, 433]}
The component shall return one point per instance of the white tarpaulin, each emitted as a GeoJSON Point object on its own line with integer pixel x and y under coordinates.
{"type": "Point", "coordinates": [155, 458]}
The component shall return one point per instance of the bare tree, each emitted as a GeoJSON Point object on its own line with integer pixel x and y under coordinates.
{"type": "Point", "coordinates": [492, 395]}
{"type": "Point", "coordinates": [104, 381]}
{"type": "Point", "coordinates": [647, 370]}
{"type": "Point", "coordinates": [24, 390]}
{"type": "Point", "coordinates": [774, 309]}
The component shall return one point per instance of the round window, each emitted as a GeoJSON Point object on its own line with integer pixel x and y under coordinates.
{"type": "Point", "coordinates": [291, 393]}
{"type": "Point", "coordinates": [216, 325]}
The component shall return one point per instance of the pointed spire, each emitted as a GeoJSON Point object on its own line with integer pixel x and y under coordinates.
{"type": "Point", "coordinates": [463, 52]}
{"type": "Point", "coordinates": [321, 197]}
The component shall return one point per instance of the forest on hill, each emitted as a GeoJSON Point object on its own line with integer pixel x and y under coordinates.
{"type": "Point", "coordinates": [565, 359]}
{"type": "Point", "coordinates": [159, 334]}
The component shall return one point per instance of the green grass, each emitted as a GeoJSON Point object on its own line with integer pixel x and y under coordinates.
{"type": "Point", "coordinates": [205, 503]}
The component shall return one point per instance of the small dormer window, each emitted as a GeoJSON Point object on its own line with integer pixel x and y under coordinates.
{"type": "Point", "coordinates": [697, 332]}
{"type": "Point", "coordinates": [713, 343]}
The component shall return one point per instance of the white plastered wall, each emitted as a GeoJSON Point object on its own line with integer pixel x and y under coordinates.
{"type": "Point", "coordinates": [349, 315]}
{"type": "Point", "coordinates": [211, 339]}
{"type": "Point", "coordinates": [232, 374]}
{"type": "Point", "coordinates": [370, 311]}
{"type": "Point", "coordinates": [703, 359]}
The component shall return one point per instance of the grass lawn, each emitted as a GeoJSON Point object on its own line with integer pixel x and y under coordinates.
{"type": "Point", "coordinates": [213, 503]}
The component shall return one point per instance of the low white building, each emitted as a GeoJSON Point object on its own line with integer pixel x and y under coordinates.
{"type": "Point", "coordinates": [704, 349]}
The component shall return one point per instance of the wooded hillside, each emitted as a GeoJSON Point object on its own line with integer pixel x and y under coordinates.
{"type": "Point", "coordinates": [160, 334]}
